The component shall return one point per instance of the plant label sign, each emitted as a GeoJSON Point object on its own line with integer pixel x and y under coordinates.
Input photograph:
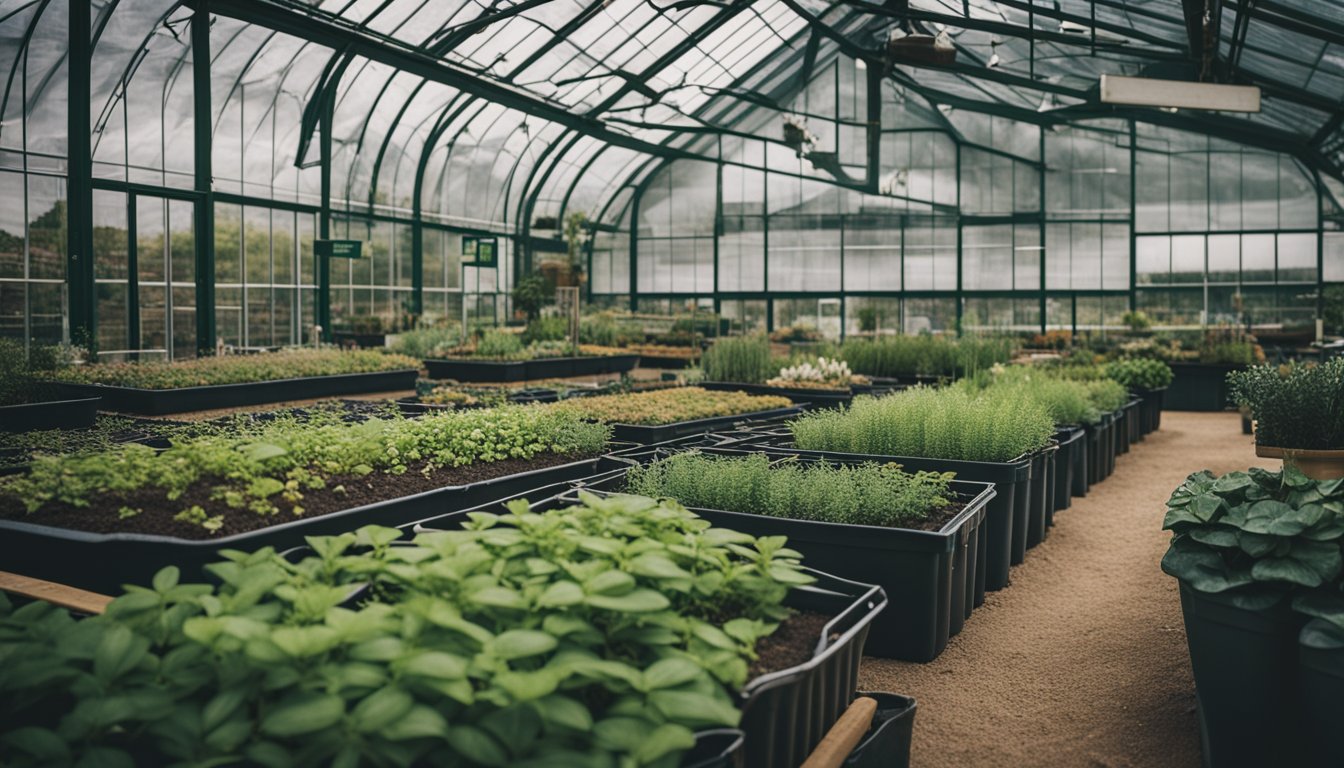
{"type": "Point", "coordinates": [484, 249]}
{"type": "Point", "coordinates": [339, 249]}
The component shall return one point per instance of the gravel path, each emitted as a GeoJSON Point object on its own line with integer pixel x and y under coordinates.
{"type": "Point", "coordinates": [1082, 661]}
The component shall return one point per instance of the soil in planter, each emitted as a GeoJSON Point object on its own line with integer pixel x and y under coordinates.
{"type": "Point", "coordinates": [792, 644]}
{"type": "Point", "coordinates": [102, 516]}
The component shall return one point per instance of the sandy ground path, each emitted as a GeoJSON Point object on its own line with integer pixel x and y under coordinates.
{"type": "Point", "coordinates": [1082, 661]}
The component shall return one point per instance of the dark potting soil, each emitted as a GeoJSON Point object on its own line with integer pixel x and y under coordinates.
{"type": "Point", "coordinates": [792, 644]}
{"type": "Point", "coordinates": [157, 513]}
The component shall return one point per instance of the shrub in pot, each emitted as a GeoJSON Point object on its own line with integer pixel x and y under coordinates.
{"type": "Point", "coordinates": [1299, 413]}
{"type": "Point", "coordinates": [597, 635]}
{"type": "Point", "coordinates": [1243, 546]}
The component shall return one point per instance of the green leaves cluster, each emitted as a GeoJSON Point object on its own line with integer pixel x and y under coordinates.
{"type": "Point", "coordinates": [741, 359]}
{"type": "Point", "coordinates": [1069, 402]}
{"type": "Point", "coordinates": [1264, 534]}
{"type": "Point", "coordinates": [1140, 374]}
{"type": "Point", "coordinates": [1295, 405]}
{"type": "Point", "coordinates": [926, 355]}
{"type": "Point", "coordinates": [268, 467]}
{"type": "Point", "coordinates": [596, 636]}
{"type": "Point", "coordinates": [862, 494]}
{"type": "Point", "coordinates": [666, 406]}
{"type": "Point", "coordinates": [237, 369]}
{"type": "Point", "coordinates": [997, 425]}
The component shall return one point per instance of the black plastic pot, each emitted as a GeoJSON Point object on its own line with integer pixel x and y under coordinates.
{"type": "Point", "coordinates": [1199, 387]}
{"type": "Point", "coordinates": [718, 748]}
{"type": "Point", "coordinates": [1151, 420]}
{"type": "Point", "coordinates": [103, 562]}
{"type": "Point", "coordinates": [1068, 460]}
{"type": "Point", "coordinates": [1011, 482]}
{"type": "Point", "coordinates": [156, 402]}
{"type": "Point", "coordinates": [928, 576]}
{"type": "Point", "coordinates": [1320, 686]}
{"type": "Point", "coordinates": [817, 398]}
{"type": "Point", "coordinates": [887, 743]}
{"type": "Point", "coordinates": [1134, 421]}
{"type": "Point", "coordinates": [51, 414]}
{"type": "Point", "coordinates": [466, 369]}
{"type": "Point", "coordinates": [1244, 664]}
{"type": "Point", "coordinates": [650, 434]}
{"type": "Point", "coordinates": [1098, 437]}
{"type": "Point", "coordinates": [665, 362]}
{"type": "Point", "coordinates": [1039, 504]}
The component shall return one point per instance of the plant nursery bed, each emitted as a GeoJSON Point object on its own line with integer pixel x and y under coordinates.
{"type": "Point", "coordinates": [92, 548]}
{"type": "Point", "coordinates": [468, 369]}
{"type": "Point", "coordinates": [72, 413]}
{"type": "Point", "coordinates": [156, 402]}
{"type": "Point", "coordinates": [650, 434]}
{"type": "Point", "coordinates": [817, 398]}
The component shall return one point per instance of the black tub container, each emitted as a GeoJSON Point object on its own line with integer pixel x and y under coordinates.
{"type": "Point", "coordinates": [1245, 665]}
{"type": "Point", "coordinates": [649, 434]}
{"type": "Point", "coordinates": [887, 743]}
{"type": "Point", "coordinates": [155, 402]}
{"type": "Point", "coordinates": [1199, 386]}
{"type": "Point", "coordinates": [925, 574]}
{"type": "Point", "coordinates": [1153, 402]}
{"type": "Point", "coordinates": [1010, 481]}
{"type": "Point", "coordinates": [103, 562]}
{"type": "Point", "coordinates": [1051, 467]}
{"type": "Point", "coordinates": [817, 398]}
{"type": "Point", "coordinates": [551, 368]}
{"type": "Point", "coordinates": [1320, 685]}
{"type": "Point", "coordinates": [52, 414]}
{"type": "Point", "coordinates": [466, 369]}
{"type": "Point", "coordinates": [1038, 500]}
{"type": "Point", "coordinates": [1134, 421]}
{"type": "Point", "coordinates": [1098, 436]}
{"type": "Point", "coordinates": [1068, 460]}
{"type": "Point", "coordinates": [717, 748]}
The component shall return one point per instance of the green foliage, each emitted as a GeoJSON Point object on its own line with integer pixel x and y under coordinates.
{"type": "Point", "coordinates": [1227, 352]}
{"type": "Point", "coordinates": [598, 635]}
{"type": "Point", "coordinates": [237, 369]}
{"type": "Point", "coordinates": [1258, 535]}
{"type": "Point", "coordinates": [1333, 314]}
{"type": "Point", "coordinates": [500, 345]}
{"type": "Point", "coordinates": [1295, 405]}
{"type": "Point", "coordinates": [1137, 320]}
{"type": "Point", "coordinates": [863, 494]}
{"type": "Point", "coordinates": [1068, 402]}
{"type": "Point", "coordinates": [997, 425]}
{"type": "Point", "coordinates": [530, 295]}
{"type": "Point", "coordinates": [427, 343]}
{"type": "Point", "coordinates": [1140, 374]}
{"type": "Point", "coordinates": [22, 371]}
{"type": "Point", "coordinates": [666, 406]}
{"type": "Point", "coordinates": [605, 330]}
{"type": "Point", "coordinates": [269, 467]}
{"type": "Point", "coordinates": [741, 359]}
{"type": "Point", "coordinates": [926, 355]}
{"type": "Point", "coordinates": [546, 329]}
{"type": "Point", "coordinates": [868, 317]}
{"type": "Point", "coordinates": [1107, 396]}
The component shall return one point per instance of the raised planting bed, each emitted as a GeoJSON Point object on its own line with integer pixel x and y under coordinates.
{"type": "Point", "coordinates": [74, 413]}
{"type": "Point", "coordinates": [1199, 387]}
{"type": "Point", "coordinates": [808, 672]}
{"type": "Point", "coordinates": [925, 566]}
{"type": "Point", "coordinates": [99, 520]}
{"type": "Point", "coordinates": [1151, 411]}
{"type": "Point", "coordinates": [814, 397]}
{"type": "Point", "coordinates": [666, 414]}
{"type": "Point", "coordinates": [527, 661]}
{"type": "Point", "coordinates": [469, 369]}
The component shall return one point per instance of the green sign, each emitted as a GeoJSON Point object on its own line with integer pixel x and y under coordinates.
{"type": "Point", "coordinates": [469, 246]}
{"type": "Point", "coordinates": [480, 251]}
{"type": "Point", "coordinates": [339, 249]}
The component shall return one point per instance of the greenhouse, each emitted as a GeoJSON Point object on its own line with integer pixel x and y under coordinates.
{"type": "Point", "coordinates": [672, 383]}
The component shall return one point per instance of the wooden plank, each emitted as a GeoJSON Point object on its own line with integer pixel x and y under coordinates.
{"type": "Point", "coordinates": [57, 594]}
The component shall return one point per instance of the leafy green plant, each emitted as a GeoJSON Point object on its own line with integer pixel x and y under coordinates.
{"type": "Point", "coordinates": [237, 369]}
{"type": "Point", "coordinates": [1256, 535]}
{"type": "Point", "coordinates": [862, 494]}
{"type": "Point", "coordinates": [1140, 374]}
{"type": "Point", "coordinates": [1068, 402]}
{"type": "Point", "coordinates": [22, 372]}
{"type": "Point", "coordinates": [546, 329]}
{"type": "Point", "coordinates": [269, 468]}
{"type": "Point", "coordinates": [666, 406]}
{"type": "Point", "coordinates": [998, 425]}
{"type": "Point", "coordinates": [598, 635]}
{"type": "Point", "coordinates": [500, 345]}
{"type": "Point", "coordinates": [530, 295]}
{"type": "Point", "coordinates": [1295, 405]}
{"type": "Point", "coordinates": [1107, 396]}
{"type": "Point", "coordinates": [603, 329]}
{"type": "Point", "coordinates": [742, 359]}
{"type": "Point", "coordinates": [926, 355]}
{"type": "Point", "coordinates": [427, 343]}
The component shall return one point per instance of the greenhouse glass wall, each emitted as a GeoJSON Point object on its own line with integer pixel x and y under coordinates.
{"type": "Point", "coordinates": [166, 167]}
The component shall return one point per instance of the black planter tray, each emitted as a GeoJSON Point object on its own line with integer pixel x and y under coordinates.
{"type": "Point", "coordinates": [1004, 514]}
{"type": "Point", "coordinates": [155, 402]}
{"type": "Point", "coordinates": [76, 412]}
{"type": "Point", "coordinates": [887, 743]}
{"type": "Point", "coordinates": [818, 398]}
{"type": "Point", "coordinates": [103, 562]}
{"type": "Point", "coordinates": [1151, 410]}
{"type": "Point", "coordinates": [650, 434]}
{"type": "Point", "coordinates": [1041, 507]}
{"type": "Point", "coordinates": [666, 362]}
{"type": "Point", "coordinates": [469, 369]}
{"type": "Point", "coordinates": [923, 573]}
{"type": "Point", "coordinates": [785, 713]}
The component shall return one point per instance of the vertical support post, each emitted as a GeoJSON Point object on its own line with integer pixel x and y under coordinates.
{"type": "Point", "coordinates": [204, 179]}
{"type": "Point", "coordinates": [1133, 218]}
{"type": "Point", "coordinates": [1320, 251]}
{"type": "Point", "coordinates": [79, 206]}
{"type": "Point", "coordinates": [1040, 237]}
{"type": "Point", "coordinates": [634, 247]}
{"type": "Point", "coordinates": [960, 256]}
{"type": "Point", "coordinates": [874, 127]}
{"type": "Point", "coordinates": [417, 264]}
{"type": "Point", "coordinates": [132, 275]}
{"type": "Point", "coordinates": [328, 97]}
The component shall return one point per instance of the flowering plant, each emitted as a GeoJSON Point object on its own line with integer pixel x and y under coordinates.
{"type": "Point", "coordinates": [826, 372]}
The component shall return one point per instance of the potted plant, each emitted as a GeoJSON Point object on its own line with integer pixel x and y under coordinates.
{"type": "Point", "coordinates": [1200, 382]}
{"type": "Point", "coordinates": [1148, 378]}
{"type": "Point", "coordinates": [1243, 546]}
{"type": "Point", "coordinates": [913, 534]}
{"type": "Point", "coordinates": [366, 649]}
{"type": "Point", "coordinates": [363, 331]}
{"type": "Point", "coordinates": [1298, 409]}
{"type": "Point", "coordinates": [28, 400]}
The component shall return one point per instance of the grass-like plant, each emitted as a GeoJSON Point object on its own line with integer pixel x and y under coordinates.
{"type": "Point", "coordinates": [1069, 402]}
{"type": "Point", "coordinates": [862, 494]}
{"type": "Point", "coordinates": [665, 406]}
{"type": "Point", "coordinates": [997, 425]}
{"type": "Point", "coordinates": [237, 369]}
{"type": "Point", "coordinates": [1295, 405]}
{"type": "Point", "coordinates": [267, 469]}
{"type": "Point", "coordinates": [741, 359]}
{"type": "Point", "coordinates": [426, 343]}
{"type": "Point", "coordinates": [926, 355]}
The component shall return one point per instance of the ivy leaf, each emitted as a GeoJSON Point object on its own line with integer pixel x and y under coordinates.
{"type": "Point", "coordinates": [421, 722]}
{"type": "Point", "coordinates": [303, 713]}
